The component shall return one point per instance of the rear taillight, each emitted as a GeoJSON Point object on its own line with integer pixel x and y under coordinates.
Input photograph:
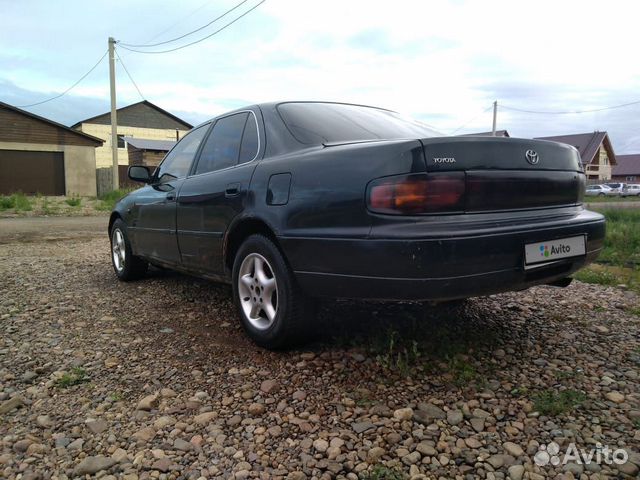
{"type": "Point", "coordinates": [417, 194]}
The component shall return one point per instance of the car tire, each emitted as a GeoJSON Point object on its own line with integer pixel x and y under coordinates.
{"type": "Point", "coordinates": [273, 310]}
{"type": "Point", "coordinates": [126, 265]}
{"type": "Point", "coordinates": [601, 194]}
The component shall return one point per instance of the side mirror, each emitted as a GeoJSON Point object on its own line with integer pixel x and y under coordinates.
{"type": "Point", "coordinates": [139, 173]}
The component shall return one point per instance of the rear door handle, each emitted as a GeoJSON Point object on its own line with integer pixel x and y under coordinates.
{"type": "Point", "coordinates": [171, 196]}
{"type": "Point", "coordinates": [232, 190]}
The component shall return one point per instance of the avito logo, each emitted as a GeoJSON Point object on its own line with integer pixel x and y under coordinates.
{"type": "Point", "coordinates": [545, 251]}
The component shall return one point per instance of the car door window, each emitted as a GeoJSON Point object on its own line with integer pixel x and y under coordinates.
{"type": "Point", "coordinates": [222, 148]}
{"type": "Point", "coordinates": [178, 161]}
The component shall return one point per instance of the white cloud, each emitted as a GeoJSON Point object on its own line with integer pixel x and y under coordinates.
{"type": "Point", "coordinates": [442, 61]}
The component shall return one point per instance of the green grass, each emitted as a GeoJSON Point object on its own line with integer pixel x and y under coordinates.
{"type": "Point", "coordinates": [555, 403]}
{"type": "Point", "coordinates": [619, 262]}
{"type": "Point", "coordinates": [73, 201]}
{"type": "Point", "coordinates": [463, 372]}
{"type": "Point", "coordinates": [598, 276]}
{"type": "Point", "coordinates": [109, 200]}
{"type": "Point", "coordinates": [76, 376]}
{"type": "Point", "coordinates": [622, 241]}
{"type": "Point", "coordinates": [382, 472]}
{"type": "Point", "coordinates": [398, 355]}
{"type": "Point", "coordinates": [598, 199]}
{"type": "Point", "coordinates": [18, 201]}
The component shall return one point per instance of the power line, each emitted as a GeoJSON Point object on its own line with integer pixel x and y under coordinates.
{"type": "Point", "coordinates": [193, 12]}
{"type": "Point", "coordinates": [202, 39]}
{"type": "Point", "coordinates": [129, 75]}
{"type": "Point", "coordinates": [473, 119]}
{"type": "Point", "coordinates": [568, 112]}
{"type": "Point", "coordinates": [68, 89]}
{"type": "Point", "coordinates": [186, 34]}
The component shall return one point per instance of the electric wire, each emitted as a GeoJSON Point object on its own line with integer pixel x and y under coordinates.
{"type": "Point", "coordinates": [174, 24]}
{"type": "Point", "coordinates": [186, 34]}
{"type": "Point", "coordinates": [472, 120]}
{"type": "Point", "coordinates": [568, 112]}
{"type": "Point", "coordinates": [197, 41]}
{"type": "Point", "coordinates": [68, 89]}
{"type": "Point", "coordinates": [129, 75]}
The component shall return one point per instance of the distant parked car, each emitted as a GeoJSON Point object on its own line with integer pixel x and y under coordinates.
{"type": "Point", "coordinates": [631, 190]}
{"type": "Point", "coordinates": [598, 191]}
{"type": "Point", "coordinates": [616, 188]}
{"type": "Point", "coordinates": [297, 200]}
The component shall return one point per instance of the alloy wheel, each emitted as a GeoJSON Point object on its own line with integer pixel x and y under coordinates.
{"type": "Point", "coordinates": [118, 249]}
{"type": "Point", "coordinates": [258, 291]}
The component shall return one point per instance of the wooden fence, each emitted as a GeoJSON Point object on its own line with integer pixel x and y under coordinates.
{"type": "Point", "coordinates": [104, 179]}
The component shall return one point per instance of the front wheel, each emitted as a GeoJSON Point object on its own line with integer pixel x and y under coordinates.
{"type": "Point", "coordinates": [273, 310]}
{"type": "Point", "coordinates": [126, 265]}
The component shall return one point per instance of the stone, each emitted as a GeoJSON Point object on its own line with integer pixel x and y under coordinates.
{"type": "Point", "coordinates": [516, 472]}
{"type": "Point", "coordinates": [615, 397]}
{"type": "Point", "coordinates": [412, 458]}
{"type": "Point", "coordinates": [430, 412]}
{"type": "Point", "coordinates": [425, 449]}
{"type": "Point", "coordinates": [472, 442]}
{"type": "Point", "coordinates": [21, 445]}
{"type": "Point", "coordinates": [148, 403]}
{"type": "Point", "coordinates": [145, 434]}
{"type": "Point", "coordinates": [205, 418]}
{"type": "Point", "coordinates": [182, 445]}
{"type": "Point", "coordinates": [256, 409]}
{"type": "Point", "coordinates": [92, 465]}
{"type": "Point", "coordinates": [76, 444]}
{"type": "Point", "coordinates": [297, 476]}
{"type": "Point", "coordinates": [269, 386]}
{"type": "Point", "coordinates": [454, 417]}
{"type": "Point", "coordinates": [477, 424]}
{"type": "Point", "coordinates": [166, 421]}
{"type": "Point", "coordinates": [360, 427]}
{"type": "Point", "coordinates": [97, 426]}
{"type": "Point", "coordinates": [374, 454]}
{"type": "Point", "coordinates": [44, 421]}
{"type": "Point", "coordinates": [11, 404]}
{"type": "Point", "coordinates": [513, 449]}
{"type": "Point", "coordinates": [321, 445]}
{"type": "Point", "coordinates": [120, 455]}
{"type": "Point", "coordinates": [403, 414]}
{"type": "Point", "coordinates": [162, 465]}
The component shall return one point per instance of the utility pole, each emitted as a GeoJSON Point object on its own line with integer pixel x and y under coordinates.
{"type": "Point", "coordinates": [495, 117]}
{"type": "Point", "coordinates": [114, 120]}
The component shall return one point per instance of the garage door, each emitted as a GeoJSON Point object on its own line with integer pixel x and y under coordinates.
{"type": "Point", "coordinates": [31, 172]}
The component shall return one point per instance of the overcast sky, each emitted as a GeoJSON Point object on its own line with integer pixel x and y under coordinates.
{"type": "Point", "coordinates": [443, 62]}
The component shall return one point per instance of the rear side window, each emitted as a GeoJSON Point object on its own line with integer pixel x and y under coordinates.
{"type": "Point", "coordinates": [318, 123]}
{"type": "Point", "coordinates": [250, 144]}
{"type": "Point", "coordinates": [233, 140]}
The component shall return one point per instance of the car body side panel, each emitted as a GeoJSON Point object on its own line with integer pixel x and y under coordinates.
{"type": "Point", "coordinates": [326, 193]}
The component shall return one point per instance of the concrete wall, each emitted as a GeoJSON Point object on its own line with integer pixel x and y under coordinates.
{"type": "Point", "coordinates": [103, 154]}
{"type": "Point", "coordinates": [79, 165]}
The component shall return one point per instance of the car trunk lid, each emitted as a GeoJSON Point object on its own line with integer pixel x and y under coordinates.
{"type": "Point", "coordinates": [509, 173]}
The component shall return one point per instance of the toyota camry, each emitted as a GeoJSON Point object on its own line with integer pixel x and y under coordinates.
{"type": "Point", "coordinates": [293, 201]}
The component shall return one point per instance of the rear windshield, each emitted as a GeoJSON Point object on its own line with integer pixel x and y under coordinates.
{"type": "Point", "coordinates": [317, 123]}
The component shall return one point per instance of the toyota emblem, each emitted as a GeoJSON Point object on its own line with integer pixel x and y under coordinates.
{"type": "Point", "coordinates": [532, 157]}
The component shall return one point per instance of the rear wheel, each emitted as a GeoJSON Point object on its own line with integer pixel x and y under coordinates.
{"type": "Point", "coordinates": [273, 310]}
{"type": "Point", "coordinates": [126, 265]}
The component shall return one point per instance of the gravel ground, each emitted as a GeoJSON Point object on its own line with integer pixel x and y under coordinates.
{"type": "Point", "coordinates": [155, 379]}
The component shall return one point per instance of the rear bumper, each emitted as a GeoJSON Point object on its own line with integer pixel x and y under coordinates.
{"type": "Point", "coordinates": [475, 262]}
